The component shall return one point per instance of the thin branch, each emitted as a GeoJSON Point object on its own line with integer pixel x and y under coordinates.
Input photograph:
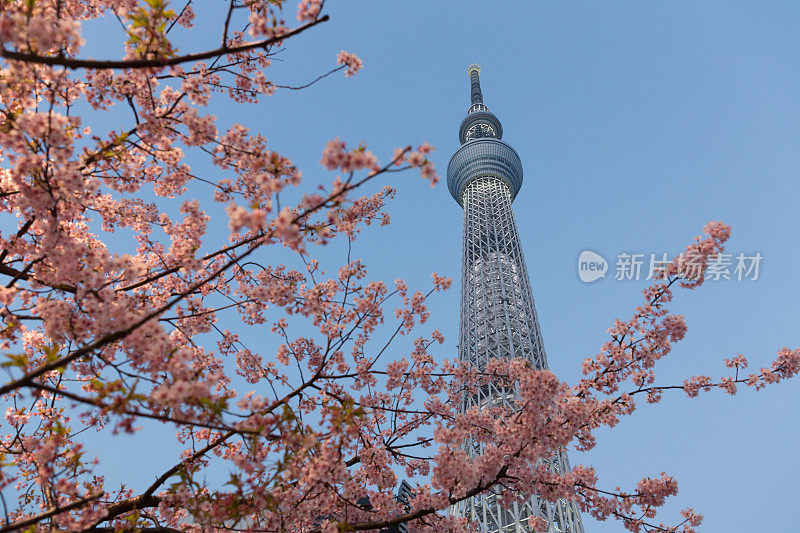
{"type": "Point", "coordinates": [309, 84]}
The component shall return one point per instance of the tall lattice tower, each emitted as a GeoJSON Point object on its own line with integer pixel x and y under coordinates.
{"type": "Point", "coordinates": [498, 318]}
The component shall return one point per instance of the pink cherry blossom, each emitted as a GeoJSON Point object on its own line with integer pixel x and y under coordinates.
{"type": "Point", "coordinates": [308, 10]}
{"type": "Point", "coordinates": [353, 63]}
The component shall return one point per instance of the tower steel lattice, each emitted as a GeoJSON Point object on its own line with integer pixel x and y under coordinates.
{"type": "Point", "coordinates": [498, 317]}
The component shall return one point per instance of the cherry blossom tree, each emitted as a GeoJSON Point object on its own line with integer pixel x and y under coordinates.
{"type": "Point", "coordinates": [96, 339]}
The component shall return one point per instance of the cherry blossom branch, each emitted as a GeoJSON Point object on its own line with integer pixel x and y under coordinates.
{"type": "Point", "coordinates": [25, 276]}
{"type": "Point", "coordinates": [117, 335]}
{"type": "Point", "coordinates": [261, 234]}
{"type": "Point", "coordinates": [22, 231]}
{"type": "Point", "coordinates": [421, 513]}
{"type": "Point", "coordinates": [117, 410]}
{"type": "Point", "coordinates": [63, 61]}
{"type": "Point", "coordinates": [146, 499]}
{"type": "Point", "coordinates": [17, 526]}
{"type": "Point", "coordinates": [143, 501]}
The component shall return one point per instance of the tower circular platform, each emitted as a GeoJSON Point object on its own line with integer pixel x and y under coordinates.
{"type": "Point", "coordinates": [483, 157]}
{"type": "Point", "coordinates": [477, 117]}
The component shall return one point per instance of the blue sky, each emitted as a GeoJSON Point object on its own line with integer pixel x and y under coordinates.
{"type": "Point", "coordinates": [636, 123]}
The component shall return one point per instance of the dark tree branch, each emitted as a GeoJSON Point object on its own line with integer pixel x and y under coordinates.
{"type": "Point", "coordinates": [63, 61]}
{"type": "Point", "coordinates": [16, 526]}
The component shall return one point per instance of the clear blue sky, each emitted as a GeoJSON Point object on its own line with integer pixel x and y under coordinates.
{"type": "Point", "coordinates": [636, 123]}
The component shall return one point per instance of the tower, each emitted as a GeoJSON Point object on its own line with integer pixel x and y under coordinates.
{"type": "Point", "coordinates": [498, 318]}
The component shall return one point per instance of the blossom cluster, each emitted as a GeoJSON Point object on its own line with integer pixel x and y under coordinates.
{"type": "Point", "coordinates": [351, 61]}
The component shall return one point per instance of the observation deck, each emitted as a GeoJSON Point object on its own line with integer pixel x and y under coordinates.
{"type": "Point", "coordinates": [483, 157]}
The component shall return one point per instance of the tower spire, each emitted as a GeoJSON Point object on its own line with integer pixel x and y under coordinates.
{"type": "Point", "coordinates": [474, 71]}
{"type": "Point", "coordinates": [479, 122]}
